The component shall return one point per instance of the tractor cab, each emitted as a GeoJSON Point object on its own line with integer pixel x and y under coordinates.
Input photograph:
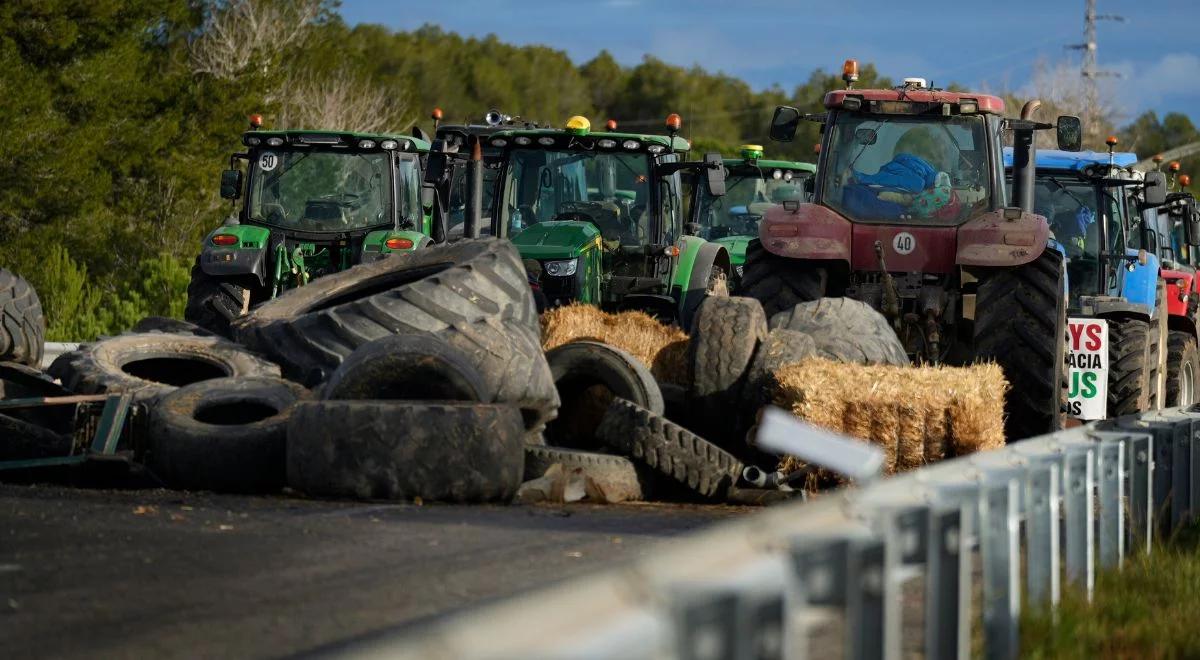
{"type": "Point", "coordinates": [752, 185]}
{"type": "Point", "coordinates": [599, 216]}
{"type": "Point", "coordinates": [309, 203]}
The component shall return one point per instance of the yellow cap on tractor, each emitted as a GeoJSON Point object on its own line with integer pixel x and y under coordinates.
{"type": "Point", "coordinates": [578, 125]}
{"type": "Point", "coordinates": [752, 151]}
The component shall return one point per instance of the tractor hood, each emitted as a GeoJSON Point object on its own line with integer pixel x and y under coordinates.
{"type": "Point", "coordinates": [736, 246]}
{"type": "Point", "coordinates": [556, 240]}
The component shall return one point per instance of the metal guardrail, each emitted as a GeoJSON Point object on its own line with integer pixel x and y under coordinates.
{"type": "Point", "coordinates": [766, 586]}
{"type": "Point", "coordinates": [55, 349]}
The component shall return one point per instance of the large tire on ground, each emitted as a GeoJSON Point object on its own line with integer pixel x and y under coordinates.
{"type": "Point", "coordinates": [1129, 366]}
{"type": "Point", "coordinates": [588, 375]}
{"type": "Point", "coordinates": [213, 303]}
{"type": "Point", "coordinates": [845, 329]}
{"type": "Point", "coordinates": [473, 294]}
{"type": "Point", "coordinates": [725, 336]}
{"type": "Point", "coordinates": [407, 367]}
{"type": "Point", "coordinates": [1182, 361]}
{"type": "Point", "coordinates": [21, 439]}
{"type": "Point", "coordinates": [225, 434]}
{"type": "Point", "coordinates": [455, 452]}
{"type": "Point", "coordinates": [1020, 323]}
{"type": "Point", "coordinates": [670, 449]}
{"type": "Point", "coordinates": [153, 363]}
{"type": "Point", "coordinates": [782, 347]}
{"type": "Point", "coordinates": [618, 476]}
{"type": "Point", "coordinates": [22, 325]}
{"type": "Point", "coordinates": [780, 283]}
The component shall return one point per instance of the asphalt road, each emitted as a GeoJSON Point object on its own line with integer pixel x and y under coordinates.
{"type": "Point", "coordinates": [155, 573]}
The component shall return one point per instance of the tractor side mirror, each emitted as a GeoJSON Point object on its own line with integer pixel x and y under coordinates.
{"type": "Point", "coordinates": [1069, 132]}
{"type": "Point", "coordinates": [1192, 228]}
{"type": "Point", "coordinates": [1154, 190]}
{"type": "Point", "coordinates": [231, 184]}
{"type": "Point", "coordinates": [810, 187]}
{"type": "Point", "coordinates": [714, 171]}
{"type": "Point", "coordinates": [436, 163]}
{"type": "Point", "coordinates": [784, 123]}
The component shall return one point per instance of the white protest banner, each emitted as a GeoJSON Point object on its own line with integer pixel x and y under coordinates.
{"type": "Point", "coordinates": [1087, 362]}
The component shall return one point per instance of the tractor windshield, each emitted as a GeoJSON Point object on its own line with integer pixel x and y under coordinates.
{"type": "Point", "coordinates": [331, 191]}
{"type": "Point", "coordinates": [748, 194]}
{"type": "Point", "coordinates": [907, 169]}
{"type": "Point", "coordinates": [1074, 207]}
{"type": "Point", "coordinates": [609, 190]}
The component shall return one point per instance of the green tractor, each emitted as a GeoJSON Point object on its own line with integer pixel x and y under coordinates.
{"type": "Point", "coordinates": [752, 185]}
{"type": "Point", "coordinates": [599, 216]}
{"type": "Point", "coordinates": [315, 202]}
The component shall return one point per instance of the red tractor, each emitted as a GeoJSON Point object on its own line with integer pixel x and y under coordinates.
{"type": "Point", "coordinates": [1176, 226]}
{"type": "Point", "coordinates": [910, 214]}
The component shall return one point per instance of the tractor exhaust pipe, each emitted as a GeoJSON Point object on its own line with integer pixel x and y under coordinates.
{"type": "Point", "coordinates": [473, 217]}
{"type": "Point", "coordinates": [1024, 159]}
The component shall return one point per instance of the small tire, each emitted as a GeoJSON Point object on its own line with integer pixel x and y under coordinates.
{"type": "Point", "coordinates": [669, 449]}
{"type": "Point", "coordinates": [781, 348]}
{"type": "Point", "coordinates": [617, 476]}
{"type": "Point", "coordinates": [1128, 366]}
{"type": "Point", "coordinates": [587, 374]}
{"type": "Point", "coordinates": [223, 435]}
{"type": "Point", "coordinates": [407, 367]}
{"type": "Point", "coordinates": [725, 336]}
{"type": "Point", "coordinates": [845, 329]}
{"type": "Point", "coordinates": [780, 283]}
{"type": "Point", "coordinates": [22, 324]}
{"type": "Point", "coordinates": [1183, 359]}
{"type": "Point", "coordinates": [213, 303]}
{"type": "Point", "coordinates": [152, 363]}
{"type": "Point", "coordinates": [444, 451]}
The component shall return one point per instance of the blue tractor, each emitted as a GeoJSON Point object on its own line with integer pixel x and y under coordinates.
{"type": "Point", "coordinates": [1094, 202]}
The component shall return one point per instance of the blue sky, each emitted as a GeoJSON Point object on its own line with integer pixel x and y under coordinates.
{"type": "Point", "coordinates": [972, 42]}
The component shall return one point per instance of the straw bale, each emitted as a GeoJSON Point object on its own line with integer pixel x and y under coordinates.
{"type": "Point", "coordinates": [662, 348]}
{"type": "Point", "coordinates": [916, 414]}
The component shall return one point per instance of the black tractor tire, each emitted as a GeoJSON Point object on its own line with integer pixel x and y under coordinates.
{"type": "Point", "coordinates": [444, 451]}
{"type": "Point", "coordinates": [725, 336]}
{"type": "Point", "coordinates": [1158, 350]}
{"type": "Point", "coordinates": [1183, 359]}
{"type": "Point", "coordinates": [169, 325]}
{"type": "Point", "coordinates": [213, 303]}
{"type": "Point", "coordinates": [588, 374]}
{"type": "Point", "coordinates": [150, 364]}
{"type": "Point", "coordinates": [1129, 366]}
{"type": "Point", "coordinates": [407, 367]}
{"type": "Point", "coordinates": [473, 294]}
{"type": "Point", "coordinates": [22, 324]}
{"type": "Point", "coordinates": [669, 449]}
{"type": "Point", "coordinates": [782, 347]}
{"type": "Point", "coordinates": [780, 283]}
{"type": "Point", "coordinates": [1021, 324]}
{"type": "Point", "coordinates": [620, 478]}
{"type": "Point", "coordinates": [21, 439]}
{"type": "Point", "coordinates": [845, 329]}
{"type": "Point", "coordinates": [223, 435]}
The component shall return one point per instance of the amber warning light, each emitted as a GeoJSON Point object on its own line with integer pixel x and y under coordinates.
{"type": "Point", "coordinates": [850, 72]}
{"type": "Point", "coordinates": [674, 122]}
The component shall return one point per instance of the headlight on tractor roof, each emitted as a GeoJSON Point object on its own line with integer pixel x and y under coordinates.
{"type": "Point", "coordinates": [606, 144]}
{"type": "Point", "coordinates": [253, 141]}
{"type": "Point", "coordinates": [522, 140]}
{"type": "Point", "coordinates": [777, 175]}
{"type": "Point", "coordinates": [366, 144]}
{"type": "Point", "coordinates": [546, 141]}
{"type": "Point", "coordinates": [631, 145]}
{"type": "Point", "coordinates": [275, 141]}
{"type": "Point", "coordinates": [564, 268]}
{"type": "Point", "coordinates": [655, 148]}
{"type": "Point", "coordinates": [388, 144]}
{"type": "Point", "coordinates": [499, 142]}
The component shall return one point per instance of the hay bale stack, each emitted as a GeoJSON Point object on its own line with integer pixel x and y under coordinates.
{"type": "Point", "coordinates": [917, 415]}
{"type": "Point", "coordinates": [660, 347]}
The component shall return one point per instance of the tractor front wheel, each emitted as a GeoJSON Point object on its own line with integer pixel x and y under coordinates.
{"type": "Point", "coordinates": [1182, 357]}
{"type": "Point", "coordinates": [780, 283]}
{"type": "Point", "coordinates": [1020, 324]}
{"type": "Point", "coordinates": [213, 303]}
{"type": "Point", "coordinates": [1129, 366]}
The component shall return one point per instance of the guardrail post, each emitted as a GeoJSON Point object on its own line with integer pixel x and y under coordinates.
{"type": "Point", "coordinates": [1139, 452]}
{"type": "Point", "coordinates": [906, 535]}
{"type": "Point", "coordinates": [1078, 517]}
{"type": "Point", "coordinates": [1110, 469]}
{"type": "Point", "coordinates": [998, 544]}
{"type": "Point", "coordinates": [705, 624]}
{"type": "Point", "coordinates": [1042, 521]}
{"type": "Point", "coordinates": [948, 584]}
{"type": "Point", "coordinates": [866, 611]}
{"type": "Point", "coordinates": [820, 567]}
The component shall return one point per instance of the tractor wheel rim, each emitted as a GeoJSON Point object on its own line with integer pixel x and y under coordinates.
{"type": "Point", "coordinates": [1187, 384]}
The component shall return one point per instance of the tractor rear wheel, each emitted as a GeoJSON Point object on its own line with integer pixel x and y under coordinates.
{"type": "Point", "coordinates": [1182, 358]}
{"type": "Point", "coordinates": [213, 303]}
{"type": "Point", "coordinates": [1129, 366]}
{"type": "Point", "coordinates": [1020, 324]}
{"type": "Point", "coordinates": [777, 282]}
{"type": "Point", "coordinates": [22, 325]}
